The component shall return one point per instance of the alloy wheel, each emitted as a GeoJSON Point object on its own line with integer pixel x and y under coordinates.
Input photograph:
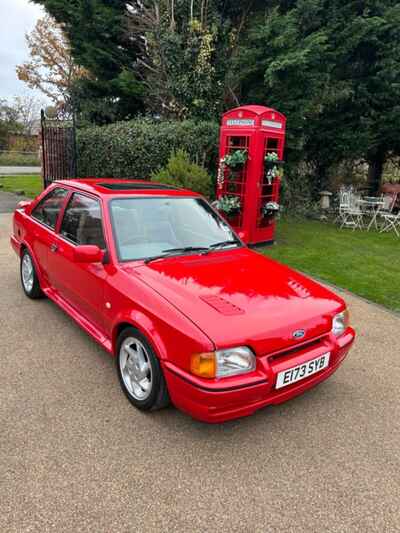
{"type": "Point", "coordinates": [27, 273]}
{"type": "Point", "coordinates": [136, 368]}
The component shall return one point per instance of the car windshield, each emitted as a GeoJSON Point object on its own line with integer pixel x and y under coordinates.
{"type": "Point", "coordinates": [146, 228]}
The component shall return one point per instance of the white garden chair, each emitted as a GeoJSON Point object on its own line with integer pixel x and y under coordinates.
{"type": "Point", "coordinates": [391, 222]}
{"type": "Point", "coordinates": [350, 214]}
{"type": "Point", "coordinates": [344, 205]}
{"type": "Point", "coordinates": [389, 202]}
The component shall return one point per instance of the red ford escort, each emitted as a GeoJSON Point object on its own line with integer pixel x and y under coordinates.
{"type": "Point", "coordinates": [190, 313]}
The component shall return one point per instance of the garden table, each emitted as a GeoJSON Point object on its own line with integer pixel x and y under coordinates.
{"type": "Point", "coordinates": [372, 204]}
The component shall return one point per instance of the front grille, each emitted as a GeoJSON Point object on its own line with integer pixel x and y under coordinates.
{"type": "Point", "coordinates": [300, 347]}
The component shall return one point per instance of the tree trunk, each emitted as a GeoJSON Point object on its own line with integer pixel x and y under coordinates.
{"type": "Point", "coordinates": [191, 11]}
{"type": "Point", "coordinates": [321, 182]}
{"type": "Point", "coordinates": [375, 170]}
{"type": "Point", "coordinates": [172, 23]}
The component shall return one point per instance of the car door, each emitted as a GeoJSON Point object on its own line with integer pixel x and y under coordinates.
{"type": "Point", "coordinates": [81, 284]}
{"type": "Point", "coordinates": [42, 226]}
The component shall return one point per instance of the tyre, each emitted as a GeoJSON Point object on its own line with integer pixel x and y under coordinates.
{"type": "Point", "coordinates": [29, 279]}
{"type": "Point", "coordinates": [140, 372]}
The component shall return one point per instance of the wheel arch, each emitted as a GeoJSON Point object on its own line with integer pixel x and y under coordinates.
{"type": "Point", "coordinates": [146, 327]}
{"type": "Point", "coordinates": [25, 246]}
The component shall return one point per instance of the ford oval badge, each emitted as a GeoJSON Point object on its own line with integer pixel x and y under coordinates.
{"type": "Point", "coordinates": [299, 334]}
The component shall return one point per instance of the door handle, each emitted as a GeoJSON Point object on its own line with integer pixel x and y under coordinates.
{"type": "Point", "coordinates": [53, 248]}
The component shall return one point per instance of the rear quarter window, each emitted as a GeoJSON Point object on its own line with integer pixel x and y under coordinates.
{"type": "Point", "coordinates": [49, 207]}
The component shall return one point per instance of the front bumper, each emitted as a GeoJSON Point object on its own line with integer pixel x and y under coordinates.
{"type": "Point", "coordinates": [213, 403]}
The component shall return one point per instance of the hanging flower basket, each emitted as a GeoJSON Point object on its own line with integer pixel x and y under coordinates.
{"type": "Point", "coordinates": [271, 167]}
{"type": "Point", "coordinates": [228, 205]}
{"type": "Point", "coordinates": [272, 160]}
{"type": "Point", "coordinates": [236, 160]}
{"type": "Point", "coordinates": [270, 209]}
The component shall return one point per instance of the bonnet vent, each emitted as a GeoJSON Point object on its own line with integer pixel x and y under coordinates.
{"type": "Point", "coordinates": [222, 306]}
{"type": "Point", "coordinates": [299, 289]}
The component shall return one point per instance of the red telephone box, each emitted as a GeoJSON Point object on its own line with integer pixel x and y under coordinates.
{"type": "Point", "coordinates": [252, 140]}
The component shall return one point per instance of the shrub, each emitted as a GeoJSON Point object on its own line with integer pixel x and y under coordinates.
{"type": "Point", "coordinates": [181, 172]}
{"type": "Point", "coordinates": [14, 159]}
{"type": "Point", "coordinates": [139, 147]}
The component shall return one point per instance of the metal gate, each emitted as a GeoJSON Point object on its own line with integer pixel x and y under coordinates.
{"type": "Point", "coordinates": [59, 156]}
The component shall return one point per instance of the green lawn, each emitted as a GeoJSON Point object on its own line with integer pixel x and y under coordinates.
{"type": "Point", "coordinates": [366, 263]}
{"type": "Point", "coordinates": [32, 185]}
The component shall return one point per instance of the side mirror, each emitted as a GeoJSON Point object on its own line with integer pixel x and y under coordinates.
{"type": "Point", "coordinates": [88, 253]}
{"type": "Point", "coordinates": [24, 204]}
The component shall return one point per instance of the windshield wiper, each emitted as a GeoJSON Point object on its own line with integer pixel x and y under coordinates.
{"type": "Point", "coordinates": [222, 244]}
{"type": "Point", "coordinates": [176, 251]}
{"type": "Point", "coordinates": [188, 249]}
{"type": "Point", "coordinates": [185, 249]}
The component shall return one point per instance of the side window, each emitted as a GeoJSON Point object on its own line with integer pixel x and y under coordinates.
{"type": "Point", "coordinates": [82, 221]}
{"type": "Point", "coordinates": [48, 209]}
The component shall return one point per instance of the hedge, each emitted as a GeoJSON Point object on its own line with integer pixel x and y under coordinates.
{"type": "Point", "coordinates": [136, 148]}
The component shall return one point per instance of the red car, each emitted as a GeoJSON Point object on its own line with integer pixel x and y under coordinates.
{"type": "Point", "coordinates": [190, 313]}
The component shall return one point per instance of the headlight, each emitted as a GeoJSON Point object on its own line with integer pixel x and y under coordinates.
{"type": "Point", "coordinates": [223, 363]}
{"type": "Point", "coordinates": [234, 361]}
{"type": "Point", "coordinates": [340, 323]}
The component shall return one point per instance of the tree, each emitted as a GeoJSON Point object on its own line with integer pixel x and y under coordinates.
{"type": "Point", "coordinates": [8, 123]}
{"type": "Point", "coordinates": [168, 57]}
{"type": "Point", "coordinates": [177, 58]}
{"type": "Point", "coordinates": [185, 50]}
{"type": "Point", "coordinates": [27, 109]}
{"type": "Point", "coordinates": [97, 31]}
{"type": "Point", "coordinates": [51, 68]}
{"type": "Point", "coordinates": [334, 69]}
{"type": "Point", "coordinates": [19, 116]}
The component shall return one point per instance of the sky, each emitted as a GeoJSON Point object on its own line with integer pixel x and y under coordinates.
{"type": "Point", "coordinates": [16, 18]}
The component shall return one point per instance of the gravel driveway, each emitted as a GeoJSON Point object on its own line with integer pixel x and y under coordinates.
{"type": "Point", "coordinates": [9, 201]}
{"type": "Point", "coordinates": [75, 456]}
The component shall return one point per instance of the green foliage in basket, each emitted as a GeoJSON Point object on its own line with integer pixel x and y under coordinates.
{"type": "Point", "coordinates": [271, 156]}
{"type": "Point", "coordinates": [228, 204]}
{"type": "Point", "coordinates": [236, 159]}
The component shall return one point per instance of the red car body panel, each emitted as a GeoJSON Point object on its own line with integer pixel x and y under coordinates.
{"type": "Point", "coordinates": [261, 301]}
{"type": "Point", "coordinates": [191, 304]}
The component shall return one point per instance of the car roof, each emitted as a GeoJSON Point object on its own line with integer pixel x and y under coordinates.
{"type": "Point", "coordinates": [129, 187]}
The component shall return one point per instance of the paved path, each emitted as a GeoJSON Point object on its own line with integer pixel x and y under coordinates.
{"type": "Point", "coordinates": [76, 457]}
{"type": "Point", "coordinates": [8, 201]}
{"type": "Point", "coordinates": [10, 171]}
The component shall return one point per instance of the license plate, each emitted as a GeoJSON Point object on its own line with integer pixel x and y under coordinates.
{"type": "Point", "coordinates": [299, 372]}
